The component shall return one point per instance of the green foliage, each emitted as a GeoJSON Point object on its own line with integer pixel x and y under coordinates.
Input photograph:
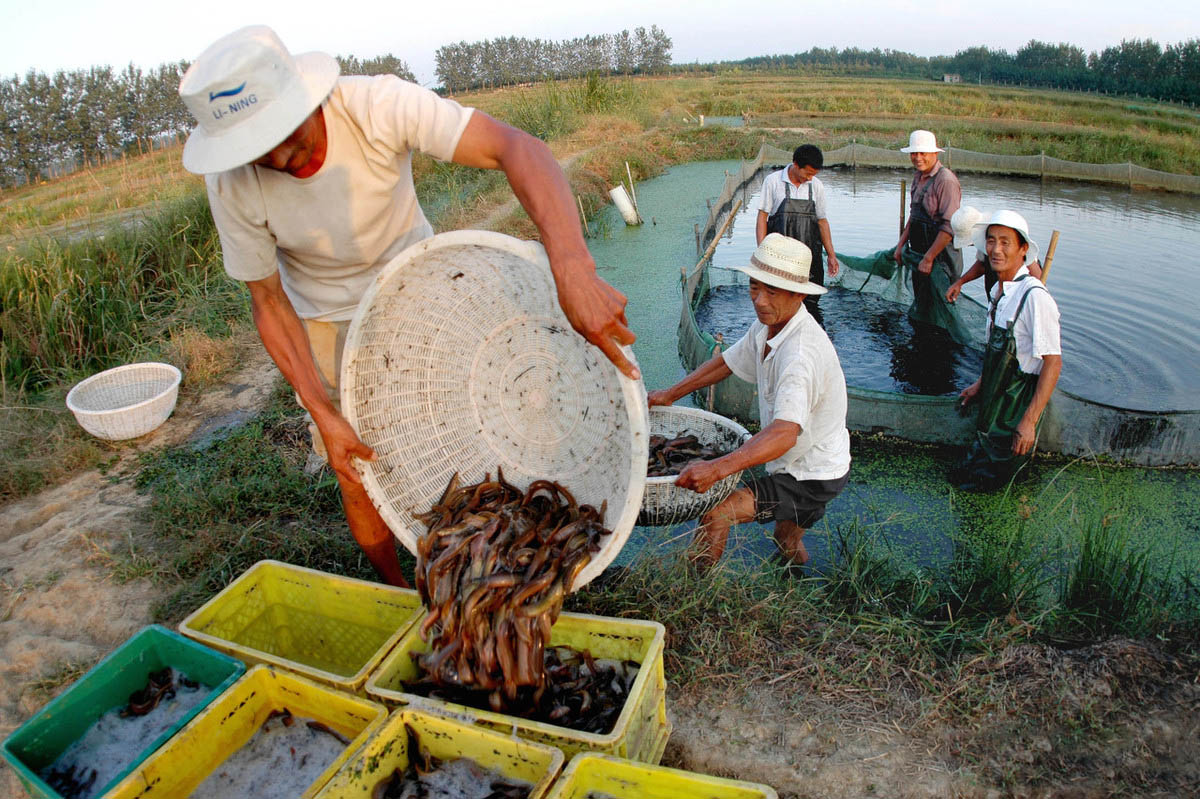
{"type": "Point", "coordinates": [73, 307]}
{"type": "Point", "coordinates": [220, 507]}
{"type": "Point", "coordinates": [1105, 590]}
{"type": "Point", "coordinates": [554, 109]}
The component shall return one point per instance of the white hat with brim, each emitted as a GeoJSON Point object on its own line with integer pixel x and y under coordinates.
{"type": "Point", "coordinates": [922, 141]}
{"type": "Point", "coordinates": [782, 262]}
{"type": "Point", "coordinates": [248, 94]}
{"type": "Point", "coordinates": [963, 222]}
{"type": "Point", "coordinates": [1009, 219]}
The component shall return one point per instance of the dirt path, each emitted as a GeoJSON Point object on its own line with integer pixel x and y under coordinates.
{"type": "Point", "coordinates": [60, 605]}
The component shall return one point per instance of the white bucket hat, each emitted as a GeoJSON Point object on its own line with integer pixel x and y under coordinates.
{"type": "Point", "coordinates": [782, 262]}
{"type": "Point", "coordinates": [248, 93]}
{"type": "Point", "coordinates": [963, 222]}
{"type": "Point", "coordinates": [922, 141]}
{"type": "Point", "coordinates": [1008, 219]}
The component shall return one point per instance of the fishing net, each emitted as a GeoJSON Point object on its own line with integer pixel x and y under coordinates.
{"type": "Point", "coordinates": [1073, 425]}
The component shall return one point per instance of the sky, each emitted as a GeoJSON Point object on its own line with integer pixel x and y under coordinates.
{"type": "Point", "coordinates": [49, 35]}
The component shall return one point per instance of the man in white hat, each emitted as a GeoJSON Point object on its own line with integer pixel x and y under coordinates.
{"type": "Point", "coordinates": [1021, 364]}
{"type": "Point", "coordinates": [801, 402]}
{"type": "Point", "coordinates": [309, 178]}
{"type": "Point", "coordinates": [964, 223]}
{"type": "Point", "coordinates": [784, 209]}
{"type": "Point", "coordinates": [935, 197]}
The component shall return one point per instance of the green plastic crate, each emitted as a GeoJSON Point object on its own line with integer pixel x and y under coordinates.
{"type": "Point", "coordinates": [625, 779]}
{"type": "Point", "coordinates": [184, 762]}
{"type": "Point", "coordinates": [330, 628]}
{"type": "Point", "coordinates": [641, 730]}
{"type": "Point", "coordinates": [39, 742]}
{"type": "Point", "coordinates": [446, 739]}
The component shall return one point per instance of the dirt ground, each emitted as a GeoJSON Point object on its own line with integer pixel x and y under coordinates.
{"type": "Point", "coordinates": [61, 606]}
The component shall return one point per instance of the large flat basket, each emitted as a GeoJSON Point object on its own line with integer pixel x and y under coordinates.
{"type": "Point", "coordinates": [665, 503]}
{"type": "Point", "coordinates": [459, 359]}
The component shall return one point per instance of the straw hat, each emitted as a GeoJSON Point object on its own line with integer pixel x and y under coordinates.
{"type": "Point", "coordinates": [963, 222]}
{"type": "Point", "coordinates": [921, 141]}
{"type": "Point", "coordinates": [782, 262]}
{"type": "Point", "coordinates": [1010, 219]}
{"type": "Point", "coordinates": [248, 93]}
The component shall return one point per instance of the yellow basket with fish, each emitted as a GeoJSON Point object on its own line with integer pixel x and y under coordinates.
{"type": "Point", "coordinates": [641, 729]}
{"type": "Point", "coordinates": [665, 503]}
{"type": "Point", "coordinates": [589, 775]}
{"type": "Point", "coordinates": [333, 629]}
{"type": "Point", "coordinates": [210, 739]}
{"type": "Point", "coordinates": [444, 738]}
{"type": "Point", "coordinates": [460, 360]}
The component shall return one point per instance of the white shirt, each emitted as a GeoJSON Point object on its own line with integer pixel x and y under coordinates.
{"type": "Point", "coordinates": [775, 190]}
{"type": "Point", "coordinates": [328, 235]}
{"type": "Point", "coordinates": [800, 381]}
{"type": "Point", "coordinates": [1037, 329]}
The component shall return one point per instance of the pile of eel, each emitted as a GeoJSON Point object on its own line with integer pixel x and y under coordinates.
{"type": "Point", "coordinates": [428, 777]}
{"type": "Point", "coordinates": [493, 569]}
{"type": "Point", "coordinates": [671, 455]}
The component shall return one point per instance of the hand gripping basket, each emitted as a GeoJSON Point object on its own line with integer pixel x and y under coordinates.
{"type": "Point", "coordinates": [459, 359]}
{"type": "Point", "coordinates": [665, 503]}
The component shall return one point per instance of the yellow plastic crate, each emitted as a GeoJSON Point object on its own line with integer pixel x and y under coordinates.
{"type": "Point", "coordinates": [445, 738]}
{"type": "Point", "coordinates": [625, 779]}
{"type": "Point", "coordinates": [228, 723]}
{"type": "Point", "coordinates": [641, 730]}
{"type": "Point", "coordinates": [333, 629]}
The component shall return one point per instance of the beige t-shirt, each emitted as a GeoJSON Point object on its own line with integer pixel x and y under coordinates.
{"type": "Point", "coordinates": [328, 235]}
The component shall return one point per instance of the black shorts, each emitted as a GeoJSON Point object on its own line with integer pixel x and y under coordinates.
{"type": "Point", "coordinates": [783, 498]}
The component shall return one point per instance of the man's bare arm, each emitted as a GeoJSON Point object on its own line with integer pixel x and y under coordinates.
{"type": "Point", "coordinates": [594, 308]}
{"type": "Point", "coordinates": [286, 342]}
{"type": "Point", "coordinates": [714, 370]}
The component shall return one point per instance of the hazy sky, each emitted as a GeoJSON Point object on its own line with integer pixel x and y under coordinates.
{"type": "Point", "coordinates": [68, 34]}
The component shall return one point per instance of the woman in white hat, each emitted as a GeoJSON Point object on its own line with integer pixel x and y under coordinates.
{"type": "Point", "coordinates": [935, 197]}
{"type": "Point", "coordinates": [801, 402]}
{"type": "Point", "coordinates": [1022, 362]}
{"type": "Point", "coordinates": [309, 179]}
{"type": "Point", "coordinates": [964, 222]}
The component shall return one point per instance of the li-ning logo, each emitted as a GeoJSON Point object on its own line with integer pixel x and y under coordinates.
{"type": "Point", "coordinates": [212, 96]}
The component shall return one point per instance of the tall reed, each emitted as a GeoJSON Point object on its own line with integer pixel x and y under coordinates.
{"type": "Point", "coordinates": [69, 307]}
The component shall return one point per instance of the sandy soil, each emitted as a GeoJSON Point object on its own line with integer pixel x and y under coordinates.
{"type": "Point", "coordinates": [60, 605]}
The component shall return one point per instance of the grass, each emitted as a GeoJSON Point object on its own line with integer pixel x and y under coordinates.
{"type": "Point", "coordinates": [217, 509]}
{"type": "Point", "coordinates": [97, 193]}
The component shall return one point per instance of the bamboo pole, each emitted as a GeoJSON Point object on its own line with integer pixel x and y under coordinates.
{"type": "Point", "coordinates": [1049, 256]}
{"type": "Point", "coordinates": [586, 228]}
{"type": "Point", "coordinates": [713, 244]}
{"type": "Point", "coordinates": [712, 390]}
{"type": "Point", "coordinates": [632, 192]}
{"type": "Point", "coordinates": [903, 188]}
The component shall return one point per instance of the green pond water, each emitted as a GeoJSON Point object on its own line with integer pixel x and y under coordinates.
{"type": "Point", "coordinates": [898, 493]}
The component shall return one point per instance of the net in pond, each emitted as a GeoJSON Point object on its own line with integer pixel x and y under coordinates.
{"type": "Point", "coordinates": [879, 346]}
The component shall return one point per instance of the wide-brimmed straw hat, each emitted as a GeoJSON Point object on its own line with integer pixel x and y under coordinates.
{"type": "Point", "coordinates": [1010, 219]}
{"type": "Point", "coordinates": [782, 262]}
{"type": "Point", "coordinates": [963, 222]}
{"type": "Point", "coordinates": [248, 94]}
{"type": "Point", "coordinates": [922, 141]}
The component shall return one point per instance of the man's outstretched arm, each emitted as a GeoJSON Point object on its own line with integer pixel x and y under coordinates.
{"type": "Point", "coordinates": [594, 308]}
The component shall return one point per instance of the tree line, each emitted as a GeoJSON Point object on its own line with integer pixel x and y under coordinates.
{"type": "Point", "coordinates": [509, 60]}
{"type": "Point", "coordinates": [1135, 66]}
{"type": "Point", "coordinates": [52, 124]}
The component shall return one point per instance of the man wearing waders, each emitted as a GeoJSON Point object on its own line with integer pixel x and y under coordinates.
{"type": "Point", "coordinates": [793, 203]}
{"type": "Point", "coordinates": [1021, 364]}
{"type": "Point", "coordinates": [936, 195]}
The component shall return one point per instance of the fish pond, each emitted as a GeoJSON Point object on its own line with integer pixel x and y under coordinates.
{"type": "Point", "coordinates": [1120, 277]}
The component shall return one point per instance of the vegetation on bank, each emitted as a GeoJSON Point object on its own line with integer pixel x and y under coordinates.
{"type": "Point", "coordinates": [872, 633]}
{"type": "Point", "coordinates": [973, 646]}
